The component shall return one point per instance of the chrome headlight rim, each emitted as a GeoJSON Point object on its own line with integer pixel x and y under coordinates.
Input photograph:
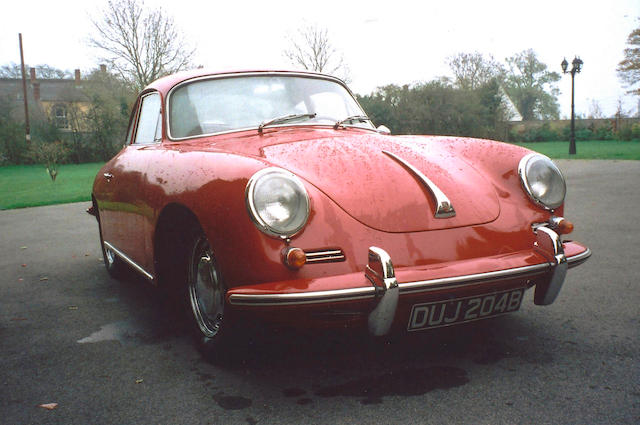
{"type": "Point", "coordinates": [527, 185]}
{"type": "Point", "coordinates": [255, 215]}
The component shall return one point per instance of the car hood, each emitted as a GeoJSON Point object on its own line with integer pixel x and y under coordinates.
{"type": "Point", "coordinates": [352, 169]}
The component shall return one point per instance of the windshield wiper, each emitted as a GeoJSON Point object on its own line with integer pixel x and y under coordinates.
{"type": "Point", "coordinates": [283, 119]}
{"type": "Point", "coordinates": [360, 118]}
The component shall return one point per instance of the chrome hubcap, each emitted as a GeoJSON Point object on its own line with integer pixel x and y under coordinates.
{"type": "Point", "coordinates": [206, 292]}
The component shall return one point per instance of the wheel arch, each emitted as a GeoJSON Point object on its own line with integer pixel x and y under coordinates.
{"type": "Point", "coordinates": [173, 231]}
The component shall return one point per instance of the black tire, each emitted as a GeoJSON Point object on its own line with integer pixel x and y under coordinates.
{"type": "Point", "coordinates": [205, 295]}
{"type": "Point", "coordinates": [114, 264]}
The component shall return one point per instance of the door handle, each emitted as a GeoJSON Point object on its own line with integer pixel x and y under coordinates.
{"type": "Point", "coordinates": [108, 176]}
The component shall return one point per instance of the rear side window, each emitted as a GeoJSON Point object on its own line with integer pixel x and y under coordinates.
{"type": "Point", "coordinates": [150, 122]}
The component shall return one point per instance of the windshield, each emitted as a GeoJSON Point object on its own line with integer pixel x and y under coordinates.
{"type": "Point", "coordinates": [225, 104]}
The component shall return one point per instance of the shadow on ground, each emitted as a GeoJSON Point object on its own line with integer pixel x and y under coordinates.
{"type": "Point", "coordinates": [328, 363]}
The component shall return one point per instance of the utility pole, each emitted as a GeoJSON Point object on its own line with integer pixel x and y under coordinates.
{"type": "Point", "coordinates": [24, 93]}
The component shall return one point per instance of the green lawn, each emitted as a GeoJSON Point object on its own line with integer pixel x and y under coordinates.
{"type": "Point", "coordinates": [591, 149]}
{"type": "Point", "coordinates": [30, 185]}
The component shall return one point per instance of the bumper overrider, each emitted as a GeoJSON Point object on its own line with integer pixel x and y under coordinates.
{"type": "Point", "coordinates": [544, 266]}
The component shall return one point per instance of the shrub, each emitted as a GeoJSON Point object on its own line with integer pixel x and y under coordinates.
{"type": "Point", "coordinates": [543, 133]}
{"type": "Point", "coordinates": [546, 133]}
{"type": "Point", "coordinates": [12, 142]}
{"type": "Point", "coordinates": [584, 134]}
{"type": "Point", "coordinates": [625, 133]}
{"type": "Point", "coordinates": [604, 133]}
{"type": "Point", "coordinates": [49, 154]}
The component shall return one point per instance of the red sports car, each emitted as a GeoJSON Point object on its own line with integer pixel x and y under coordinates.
{"type": "Point", "coordinates": [271, 196]}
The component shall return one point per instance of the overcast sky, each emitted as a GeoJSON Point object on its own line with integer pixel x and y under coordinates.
{"type": "Point", "coordinates": [383, 42]}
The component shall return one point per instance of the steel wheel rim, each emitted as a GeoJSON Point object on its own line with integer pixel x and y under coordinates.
{"type": "Point", "coordinates": [206, 292]}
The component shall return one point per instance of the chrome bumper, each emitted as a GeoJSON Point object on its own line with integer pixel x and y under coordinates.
{"type": "Point", "coordinates": [380, 273]}
{"type": "Point", "coordinates": [549, 244]}
{"type": "Point", "coordinates": [386, 290]}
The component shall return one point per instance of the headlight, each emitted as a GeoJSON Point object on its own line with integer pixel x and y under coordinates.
{"type": "Point", "coordinates": [277, 202]}
{"type": "Point", "coordinates": [542, 180]}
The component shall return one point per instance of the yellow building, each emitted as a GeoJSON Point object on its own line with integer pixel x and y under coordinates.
{"type": "Point", "coordinates": [61, 100]}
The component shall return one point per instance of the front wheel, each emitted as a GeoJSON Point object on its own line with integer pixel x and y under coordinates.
{"type": "Point", "coordinates": [205, 294]}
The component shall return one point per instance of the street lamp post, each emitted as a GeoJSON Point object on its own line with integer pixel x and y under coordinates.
{"type": "Point", "coordinates": [576, 67]}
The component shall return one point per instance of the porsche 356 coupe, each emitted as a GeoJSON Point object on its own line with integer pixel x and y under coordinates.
{"type": "Point", "coordinates": [272, 196]}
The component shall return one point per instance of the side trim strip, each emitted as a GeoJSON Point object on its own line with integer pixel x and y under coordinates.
{"type": "Point", "coordinates": [299, 298]}
{"type": "Point", "coordinates": [129, 261]}
{"type": "Point", "coordinates": [327, 256]}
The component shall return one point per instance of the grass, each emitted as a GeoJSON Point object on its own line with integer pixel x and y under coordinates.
{"type": "Point", "coordinates": [590, 149]}
{"type": "Point", "coordinates": [30, 186]}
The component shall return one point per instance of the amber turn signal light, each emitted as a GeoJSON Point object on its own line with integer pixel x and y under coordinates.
{"type": "Point", "coordinates": [294, 258]}
{"type": "Point", "coordinates": [565, 227]}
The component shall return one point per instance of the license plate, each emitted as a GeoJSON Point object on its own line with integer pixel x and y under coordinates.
{"type": "Point", "coordinates": [460, 310]}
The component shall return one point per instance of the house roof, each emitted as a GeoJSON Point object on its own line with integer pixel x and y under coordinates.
{"type": "Point", "coordinates": [10, 86]}
{"type": "Point", "coordinates": [51, 90]}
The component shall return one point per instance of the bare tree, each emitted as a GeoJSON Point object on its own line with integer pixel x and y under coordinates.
{"type": "Point", "coordinates": [629, 67]}
{"type": "Point", "coordinates": [312, 50]}
{"type": "Point", "coordinates": [50, 72]}
{"type": "Point", "coordinates": [472, 70]}
{"type": "Point", "coordinates": [12, 70]}
{"type": "Point", "coordinates": [140, 44]}
{"type": "Point", "coordinates": [595, 111]}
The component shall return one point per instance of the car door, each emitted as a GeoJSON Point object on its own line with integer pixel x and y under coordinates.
{"type": "Point", "coordinates": [125, 210]}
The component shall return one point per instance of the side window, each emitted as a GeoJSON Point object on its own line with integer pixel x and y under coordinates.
{"type": "Point", "coordinates": [150, 122]}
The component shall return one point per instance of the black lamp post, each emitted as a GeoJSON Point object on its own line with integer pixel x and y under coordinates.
{"type": "Point", "coordinates": [576, 67]}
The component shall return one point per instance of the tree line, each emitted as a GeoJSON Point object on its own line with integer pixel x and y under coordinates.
{"type": "Point", "coordinates": [477, 101]}
{"type": "Point", "coordinates": [141, 44]}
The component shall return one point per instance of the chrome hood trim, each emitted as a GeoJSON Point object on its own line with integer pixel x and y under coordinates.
{"type": "Point", "coordinates": [444, 208]}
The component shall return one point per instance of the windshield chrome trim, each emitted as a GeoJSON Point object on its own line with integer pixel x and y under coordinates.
{"type": "Point", "coordinates": [252, 74]}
